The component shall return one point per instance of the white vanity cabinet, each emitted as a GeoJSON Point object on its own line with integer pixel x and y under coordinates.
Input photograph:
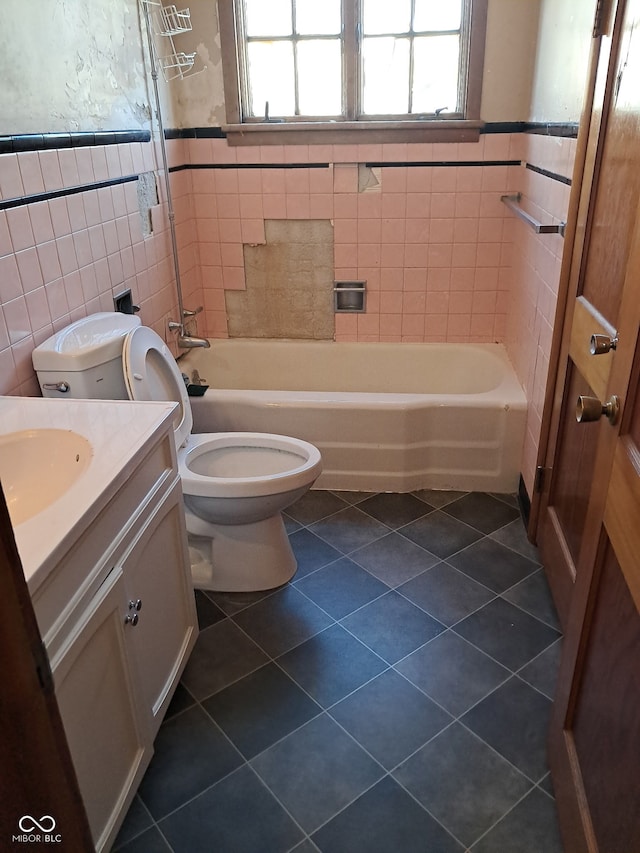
{"type": "Point", "coordinates": [118, 618]}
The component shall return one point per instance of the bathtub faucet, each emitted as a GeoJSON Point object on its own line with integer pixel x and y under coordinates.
{"type": "Point", "coordinates": [189, 342]}
{"type": "Point", "coordinates": [186, 341]}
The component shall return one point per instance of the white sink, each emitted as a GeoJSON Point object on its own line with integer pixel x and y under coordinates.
{"type": "Point", "coordinates": [37, 467]}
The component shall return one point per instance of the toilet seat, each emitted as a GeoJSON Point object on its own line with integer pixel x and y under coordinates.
{"type": "Point", "coordinates": [151, 373]}
{"type": "Point", "coordinates": [238, 464]}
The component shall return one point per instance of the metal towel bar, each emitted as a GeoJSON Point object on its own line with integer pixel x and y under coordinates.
{"type": "Point", "coordinates": [513, 203]}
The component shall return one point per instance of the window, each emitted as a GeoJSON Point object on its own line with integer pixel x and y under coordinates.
{"type": "Point", "coordinates": [336, 66]}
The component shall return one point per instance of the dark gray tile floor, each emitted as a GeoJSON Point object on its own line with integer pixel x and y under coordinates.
{"type": "Point", "coordinates": [393, 697]}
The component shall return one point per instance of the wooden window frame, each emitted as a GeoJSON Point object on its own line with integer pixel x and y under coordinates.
{"type": "Point", "coordinates": [349, 130]}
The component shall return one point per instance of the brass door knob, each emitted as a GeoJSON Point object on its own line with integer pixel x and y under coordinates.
{"type": "Point", "coordinates": [591, 409]}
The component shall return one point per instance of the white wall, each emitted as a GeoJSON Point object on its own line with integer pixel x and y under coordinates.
{"type": "Point", "coordinates": [512, 30]}
{"type": "Point", "coordinates": [563, 44]}
{"type": "Point", "coordinates": [69, 65]}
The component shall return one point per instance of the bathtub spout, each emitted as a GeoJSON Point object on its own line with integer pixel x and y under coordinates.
{"type": "Point", "coordinates": [189, 342]}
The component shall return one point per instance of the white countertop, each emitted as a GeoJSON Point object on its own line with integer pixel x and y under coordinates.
{"type": "Point", "coordinates": [118, 431]}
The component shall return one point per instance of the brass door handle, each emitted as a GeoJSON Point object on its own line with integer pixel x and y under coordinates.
{"type": "Point", "coordinates": [600, 344]}
{"type": "Point", "coordinates": [591, 409]}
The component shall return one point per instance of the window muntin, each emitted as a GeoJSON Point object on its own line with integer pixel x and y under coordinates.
{"type": "Point", "coordinates": [297, 59]}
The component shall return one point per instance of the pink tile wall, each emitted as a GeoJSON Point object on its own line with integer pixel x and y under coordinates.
{"type": "Point", "coordinates": [64, 258]}
{"type": "Point", "coordinates": [536, 273]}
{"type": "Point", "coordinates": [433, 243]}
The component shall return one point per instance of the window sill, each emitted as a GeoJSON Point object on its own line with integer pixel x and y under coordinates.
{"type": "Point", "coordinates": [361, 132]}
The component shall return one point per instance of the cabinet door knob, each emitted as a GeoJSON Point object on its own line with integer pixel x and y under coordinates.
{"type": "Point", "coordinates": [131, 620]}
{"type": "Point", "coordinates": [135, 604]}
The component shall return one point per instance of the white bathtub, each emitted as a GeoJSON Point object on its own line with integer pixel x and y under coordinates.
{"type": "Point", "coordinates": [386, 417]}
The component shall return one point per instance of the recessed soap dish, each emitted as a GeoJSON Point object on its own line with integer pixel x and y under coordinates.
{"type": "Point", "coordinates": [349, 297]}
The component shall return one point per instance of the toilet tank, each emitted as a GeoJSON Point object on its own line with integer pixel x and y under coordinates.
{"type": "Point", "coordinates": [85, 356]}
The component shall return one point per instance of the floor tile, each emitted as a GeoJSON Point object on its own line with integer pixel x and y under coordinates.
{"type": "Point", "coordinates": [482, 512]}
{"type": "Point", "coordinates": [290, 525]}
{"type": "Point", "coordinates": [392, 627]}
{"type": "Point", "coordinates": [506, 633]}
{"type": "Point", "coordinates": [238, 815]}
{"type": "Point", "coordinates": [393, 559]}
{"type": "Point", "coordinates": [514, 721]}
{"type": "Point", "coordinates": [260, 709]}
{"type": "Point", "coordinates": [150, 841]}
{"type": "Point", "coordinates": [233, 602]}
{"type": "Point", "coordinates": [331, 665]}
{"type": "Point", "coordinates": [395, 510]}
{"type": "Point", "coordinates": [542, 672]}
{"type": "Point", "coordinates": [349, 529]}
{"type": "Point", "coordinates": [493, 565]}
{"type": "Point", "coordinates": [208, 612]}
{"type": "Point", "coordinates": [316, 771]}
{"type": "Point", "coordinates": [180, 701]}
{"type": "Point", "coordinates": [531, 826]}
{"type": "Point", "coordinates": [533, 595]}
{"type": "Point", "coordinates": [546, 784]}
{"type": "Point", "coordinates": [438, 497]}
{"type": "Point", "coordinates": [191, 753]}
{"type": "Point", "coordinates": [390, 718]}
{"type": "Point", "coordinates": [314, 505]}
{"type": "Point", "coordinates": [463, 783]}
{"type": "Point", "coordinates": [311, 552]}
{"type": "Point", "coordinates": [222, 654]}
{"type": "Point", "coordinates": [351, 497]}
{"type": "Point", "coordinates": [510, 499]}
{"type": "Point", "coordinates": [441, 534]}
{"type": "Point", "coordinates": [384, 820]}
{"type": "Point", "coordinates": [341, 587]}
{"type": "Point", "coordinates": [514, 536]}
{"type": "Point", "coordinates": [452, 672]}
{"type": "Point", "coordinates": [282, 621]}
{"type": "Point", "coordinates": [306, 846]}
{"type": "Point", "coordinates": [445, 593]}
{"type": "Point", "coordinates": [137, 821]}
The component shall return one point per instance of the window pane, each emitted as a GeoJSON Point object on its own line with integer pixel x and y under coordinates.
{"type": "Point", "coordinates": [437, 15]}
{"type": "Point", "coordinates": [320, 78]}
{"type": "Point", "coordinates": [435, 74]}
{"type": "Point", "coordinates": [386, 16]}
{"type": "Point", "coordinates": [268, 19]}
{"type": "Point", "coordinates": [318, 17]}
{"type": "Point", "coordinates": [271, 78]}
{"type": "Point", "coordinates": [386, 75]}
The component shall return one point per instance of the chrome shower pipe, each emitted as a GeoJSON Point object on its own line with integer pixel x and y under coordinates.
{"type": "Point", "coordinates": [165, 166]}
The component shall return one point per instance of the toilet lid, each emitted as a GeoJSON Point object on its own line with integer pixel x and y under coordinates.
{"type": "Point", "coordinates": [151, 373]}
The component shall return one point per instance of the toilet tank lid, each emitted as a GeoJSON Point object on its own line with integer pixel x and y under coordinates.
{"type": "Point", "coordinates": [88, 342]}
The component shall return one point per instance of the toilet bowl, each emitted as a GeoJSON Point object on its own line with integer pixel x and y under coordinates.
{"type": "Point", "coordinates": [235, 484]}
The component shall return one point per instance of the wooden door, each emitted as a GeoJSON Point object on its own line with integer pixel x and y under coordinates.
{"type": "Point", "coordinates": [591, 524]}
{"type": "Point", "coordinates": [602, 242]}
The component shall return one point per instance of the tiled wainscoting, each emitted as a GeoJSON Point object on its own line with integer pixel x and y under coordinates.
{"type": "Point", "coordinates": [423, 224]}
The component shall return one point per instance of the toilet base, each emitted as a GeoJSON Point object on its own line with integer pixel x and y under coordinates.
{"type": "Point", "coordinates": [242, 557]}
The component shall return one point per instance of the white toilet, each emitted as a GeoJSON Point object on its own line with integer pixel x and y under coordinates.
{"type": "Point", "coordinates": [235, 484]}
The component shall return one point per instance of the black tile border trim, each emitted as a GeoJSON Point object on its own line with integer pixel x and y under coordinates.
{"type": "Point", "coordinates": [524, 502]}
{"type": "Point", "coordinates": [390, 165]}
{"type": "Point", "coordinates": [248, 166]}
{"type": "Point", "coordinates": [547, 174]}
{"type": "Point", "coordinates": [46, 141]}
{"type": "Point", "coordinates": [9, 203]}
{"type": "Point", "coordinates": [195, 133]}
{"type": "Point", "coordinates": [568, 130]}
{"type": "Point", "coordinates": [438, 163]}
{"type": "Point", "coordinates": [21, 142]}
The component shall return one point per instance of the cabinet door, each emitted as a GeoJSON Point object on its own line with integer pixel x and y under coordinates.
{"type": "Point", "coordinates": [108, 739]}
{"type": "Point", "coordinates": [158, 581]}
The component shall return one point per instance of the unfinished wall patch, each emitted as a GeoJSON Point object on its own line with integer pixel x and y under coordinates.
{"type": "Point", "coordinates": [289, 284]}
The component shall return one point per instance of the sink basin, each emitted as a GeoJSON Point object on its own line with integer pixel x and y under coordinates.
{"type": "Point", "coordinates": [37, 466]}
